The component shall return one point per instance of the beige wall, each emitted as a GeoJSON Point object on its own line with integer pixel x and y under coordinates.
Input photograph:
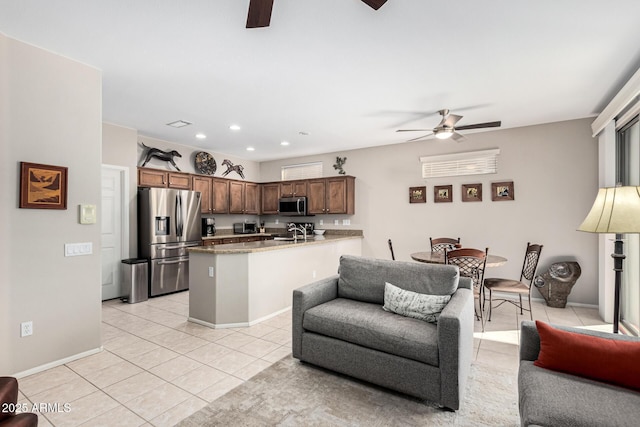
{"type": "Point", "coordinates": [122, 147]}
{"type": "Point", "coordinates": [554, 168]}
{"type": "Point", "coordinates": [51, 114]}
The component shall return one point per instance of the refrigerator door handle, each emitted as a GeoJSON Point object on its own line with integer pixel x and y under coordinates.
{"type": "Point", "coordinates": [179, 224]}
{"type": "Point", "coordinates": [178, 261]}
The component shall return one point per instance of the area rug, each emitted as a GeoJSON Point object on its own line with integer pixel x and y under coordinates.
{"type": "Point", "coordinates": [291, 393]}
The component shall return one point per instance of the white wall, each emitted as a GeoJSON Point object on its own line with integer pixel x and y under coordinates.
{"type": "Point", "coordinates": [555, 171]}
{"type": "Point", "coordinates": [50, 113]}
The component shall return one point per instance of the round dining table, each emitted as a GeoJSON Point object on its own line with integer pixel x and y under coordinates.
{"type": "Point", "coordinates": [438, 258]}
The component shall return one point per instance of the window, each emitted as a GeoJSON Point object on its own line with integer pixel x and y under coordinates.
{"type": "Point", "coordinates": [471, 163]}
{"type": "Point", "coordinates": [628, 173]}
{"type": "Point", "coordinates": [301, 171]}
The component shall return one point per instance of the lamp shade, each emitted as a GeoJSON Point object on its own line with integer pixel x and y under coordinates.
{"type": "Point", "coordinates": [615, 210]}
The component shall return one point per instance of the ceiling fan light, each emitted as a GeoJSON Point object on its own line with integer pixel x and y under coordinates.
{"type": "Point", "coordinates": [443, 133]}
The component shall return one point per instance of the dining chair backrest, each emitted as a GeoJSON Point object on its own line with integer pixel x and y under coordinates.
{"type": "Point", "coordinates": [441, 244]}
{"type": "Point", "coordinates": [471, 262]}
{"type": "Point", "coordinates": [393, 257]}
{"type": "Point", "coordinates": [530, 264]}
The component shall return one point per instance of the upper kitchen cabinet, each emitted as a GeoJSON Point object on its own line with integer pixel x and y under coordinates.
{"type": "Point", "coordinates": [163, 179]}
{"type": "Point", "coordinates": [293, 188]}
{"type": "Point", "coordinates": [215, 194]}
{"type": "Point", "coordinates": [270, 197]}
{"type": "Point", "coordinates": [244, 198]}
{"type": "Point", "coordinates": [220, 195]}
{"type": "Point", "coordinates": [334, 195]}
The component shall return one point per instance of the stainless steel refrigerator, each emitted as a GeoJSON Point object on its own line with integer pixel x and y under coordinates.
{"type": "Point", "coordinates": [168, 223]}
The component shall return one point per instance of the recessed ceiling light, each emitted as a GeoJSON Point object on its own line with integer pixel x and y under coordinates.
{"type": "Point", "coordinates": [284, 143]}
{"type": "Point", "coordinates": [251, 149]}
{"type": "Point", "coordinates": [234, 127]}
{"type": "Point", "coordinates": [201, 135]}
{"type": "Point", "coordinates": [179, 124]}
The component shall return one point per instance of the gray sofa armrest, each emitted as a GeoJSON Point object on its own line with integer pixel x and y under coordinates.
{"type": "Point", "coordinates": [455, 346]}
{"type": "Point", "coordinates": [304, 298]}
{"type": "Point", "coordinates": [530, 340]}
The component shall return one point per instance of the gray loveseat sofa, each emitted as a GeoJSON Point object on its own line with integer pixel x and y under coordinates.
{"type": "Point", "coordinates": [550, 398]}
{"type": "Point", "coordinates": [339, 324]}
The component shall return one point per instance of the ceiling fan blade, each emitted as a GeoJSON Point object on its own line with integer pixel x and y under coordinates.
{"type": "Point", "coordinates": [259, 13]}
{"type": "Point", "coordinates": [376, 4]}
{"type": "Point", "coordinates": [414, 130]}
{"type": "Point", "coordinates": [480, 125]}
{"type": "Point", "coordinates": [451, 120]}
{"type": "Point", "coordinates": [457, 137]}
{"type": "Point", "coordinates": [420, 137]}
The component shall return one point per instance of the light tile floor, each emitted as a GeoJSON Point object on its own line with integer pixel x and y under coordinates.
{"type": "Point", "coordinates": [157, 368]}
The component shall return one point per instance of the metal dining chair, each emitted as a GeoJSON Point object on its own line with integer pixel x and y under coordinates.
{"type": "Point", "coordinates": [471, 263]}
{"type": "Point", "coordinates": [393, 257]}
{"type": "Point", "coordinates": [519, 287]}
{"type": "Point", "coordinates": [441, 244]}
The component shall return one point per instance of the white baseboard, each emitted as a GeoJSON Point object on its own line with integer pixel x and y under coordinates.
{"type": "Point", "coordinates": [55, 363]}
{"type": "Point", "coordinates": [238, 325]}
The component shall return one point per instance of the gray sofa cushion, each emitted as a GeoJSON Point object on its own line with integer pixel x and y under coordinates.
{"type": "Point", "coordinates": [370, 326]}
{"type": "Point", "coordinates": [363, 279]}
{"type": "Point", "coordinates": [549, 398]}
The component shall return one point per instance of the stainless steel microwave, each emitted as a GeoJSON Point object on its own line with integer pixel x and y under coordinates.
{"type": "Point", "coordinates": [293, 206]}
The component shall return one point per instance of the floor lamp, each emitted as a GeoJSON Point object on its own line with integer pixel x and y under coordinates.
{"type": "Point", "coordinates": [615, 210]}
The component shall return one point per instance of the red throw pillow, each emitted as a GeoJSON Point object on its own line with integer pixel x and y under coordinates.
{"type": "Point", "coordinates": [601, 359]}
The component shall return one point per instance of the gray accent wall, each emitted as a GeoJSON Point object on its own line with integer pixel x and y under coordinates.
{"type": "Point", "coordinates": [554, 168]}
{"type": "Point", "coordinates": [50, 112]}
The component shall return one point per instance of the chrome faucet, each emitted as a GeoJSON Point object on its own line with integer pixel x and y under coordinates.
{"type": "Point", "coordinates": [302, 229]}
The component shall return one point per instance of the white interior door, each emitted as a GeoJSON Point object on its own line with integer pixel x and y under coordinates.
{"type": "Point", "coordinates": [115, 229]}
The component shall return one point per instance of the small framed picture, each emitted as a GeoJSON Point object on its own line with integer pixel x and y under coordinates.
{"type": "Point", "coordinates": [443, 193]}
{"type": "Point", "coordinates": [502, 191]}
{"type": "Point", "coordinates": [417, 194]}
{"type": "Point", "coordinates": [43, 186]}
{"type": "Point", "coordinates": [471, 192]}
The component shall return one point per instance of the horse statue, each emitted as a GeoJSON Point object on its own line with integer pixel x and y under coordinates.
{"type": "Point", "coordinates": [166, 156]}
{"type": "Point", "coordinates": [232, 168]}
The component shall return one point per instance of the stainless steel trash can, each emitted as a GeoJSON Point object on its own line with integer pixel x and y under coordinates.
{"type": "Point", "coordinates": [135, 281]}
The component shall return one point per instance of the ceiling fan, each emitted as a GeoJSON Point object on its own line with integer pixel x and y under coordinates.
{"type": "Point", "coordinates": [447, 127]}
{"type": "Point", "coordinates": [260, 11]}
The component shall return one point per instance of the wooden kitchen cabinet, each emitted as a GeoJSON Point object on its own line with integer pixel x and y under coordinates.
{"type": "Point", "coordinates": [334, 195]}
{"type": "Point", "coordinates": [214, 194]}
{"type": "Point", "coordinates": [244, 198]}
{"type": "Point", "coordinates": [220, 195]}
{"type": "Point", "coordinates": [204, 185]}
{"type": "Point", "coordinates": [163, 179]}
{"type": "Point", "coordinates": [179, 180]}
{"type": "Point", "coordinates": [152, 178]}
{"type": "Point", "coordinates": [293, 188]}
{"type": "Point", "coordinates": [270, 198]}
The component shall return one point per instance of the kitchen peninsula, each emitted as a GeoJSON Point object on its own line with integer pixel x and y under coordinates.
{"type": "Point", "coordinates": [240, 284]}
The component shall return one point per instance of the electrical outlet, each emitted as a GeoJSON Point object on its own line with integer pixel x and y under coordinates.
{"type": "Point", "coordinates": [277, 221]}
{"type": "Point", "coordinates": [336, 222]}
{"type": "Point", "coordinates": [313, 274]}
{"type": "Point", "coordinates": [26, 329]}
{"type": "Point", "coordinates": [321, 222]}
{"type": "Point", "coordinates": [210, 271]}
{"type": "Point", "coordinates": [346, 222]}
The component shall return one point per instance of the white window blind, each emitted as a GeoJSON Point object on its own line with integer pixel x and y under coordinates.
{"type": "Point", "coordinates": [301, 171]}
{"type": "Point", "coordinates": [470, 163]}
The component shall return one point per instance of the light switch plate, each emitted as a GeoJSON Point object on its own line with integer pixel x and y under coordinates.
{"type": "Point", "coordinates": [87, 214]}
{"type": "Point", "coordinates": [77, 249]}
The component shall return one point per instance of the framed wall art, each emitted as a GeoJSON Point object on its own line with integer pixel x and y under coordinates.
{"type": "Point", "coordinates": [471, 192]}
{"type": "Point", "coordinates": [417, 194]}
{"type": "Point", "coordinates": [502, 191]}
{"type": "Point", "coordinates": [43, 186]}
{"type": "Point", "coordinates": [443, 193]}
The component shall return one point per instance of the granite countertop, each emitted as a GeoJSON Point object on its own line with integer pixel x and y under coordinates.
{"type": "Point", "coordinates": [231, 235]}
{"type": "Point", "coordinates": [269, 245]}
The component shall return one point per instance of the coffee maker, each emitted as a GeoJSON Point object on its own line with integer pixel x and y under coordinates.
{"type": "Point", "coordinates": [208, 227]}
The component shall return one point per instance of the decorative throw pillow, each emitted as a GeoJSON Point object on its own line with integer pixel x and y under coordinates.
{"type": "Point", "coordinates": [412, 304]}
{"type": "Point", "coordinates": [601, 359]}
